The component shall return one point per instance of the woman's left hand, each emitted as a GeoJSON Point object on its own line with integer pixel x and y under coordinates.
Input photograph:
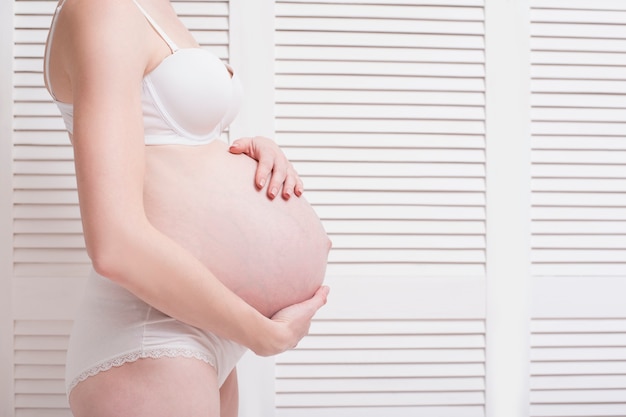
{"type": "Point", "coordinates": [273, 165]}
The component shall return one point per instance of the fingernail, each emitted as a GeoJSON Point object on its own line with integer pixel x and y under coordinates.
{"type": "Point", "coordinates": [273, 192]}
{"type": "Point", "coordinates": [262, 183]}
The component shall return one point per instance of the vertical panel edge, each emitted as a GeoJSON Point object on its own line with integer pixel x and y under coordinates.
{"type": "Point", "coordinates": [6, 192]}
{"type": "Point", "coordinates": [251, 51]}
{"type": "Point", "coordinates": [508, 207]}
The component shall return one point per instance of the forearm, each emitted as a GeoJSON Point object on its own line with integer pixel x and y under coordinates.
{"type": "Point", "coordinates": [168, 277]}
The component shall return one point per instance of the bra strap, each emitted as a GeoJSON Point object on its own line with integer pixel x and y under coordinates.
{"type": "Point", "coordinates": [157, 28]}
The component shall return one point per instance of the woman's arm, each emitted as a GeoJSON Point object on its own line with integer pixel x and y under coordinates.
{"type": "Point", "coordinates": [107, 52]}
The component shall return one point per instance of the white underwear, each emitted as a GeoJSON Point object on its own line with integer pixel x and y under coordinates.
{"type": "Point", "coordinates": [113, 327]}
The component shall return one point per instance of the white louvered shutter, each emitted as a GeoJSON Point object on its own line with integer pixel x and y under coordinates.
{"type": "Point", "coordinates": [578, 55]}
{"type": "Point", "coordinates": [50, 261]}
{"type": "Point", "coordinates": [48, 254]}
{"type": "Point", "coordinates": [381, 108]}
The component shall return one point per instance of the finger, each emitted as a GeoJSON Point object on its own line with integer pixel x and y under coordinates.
{"type": "Point", "coordinates": [279, 173]}
{"type": "Point", "coordinates": [289, 185]}
{"type": "Point", "coordinates": [306, 308]}
{"type": "Point", "coordinates": [320, 298]}
{"type": "Point", "coordinates": [322, 293]}
{"type": "Point", "coordinates": [263, 171]}
{"type": "Point", "coordinates": [299, 188]}
{"type": "Point", "coordinates": [312, 305]}
{"type": "Point", "coordinates": [241, 145]}
{"type": "Point", "coordinates": [293, 183]}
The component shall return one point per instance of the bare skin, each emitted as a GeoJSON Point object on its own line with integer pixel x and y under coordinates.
{"type": "Point", "coordinates": [162, 387]}
{"type": "Point", "coordinates": [270, 253]}
{"type": "Point", "coordinates": [157, 387]}
{"type": "Point", "coordinates": [127, 193]}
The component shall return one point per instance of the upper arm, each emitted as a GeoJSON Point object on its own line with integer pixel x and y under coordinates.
{"type": "Point", "coordinates": [105, 62]}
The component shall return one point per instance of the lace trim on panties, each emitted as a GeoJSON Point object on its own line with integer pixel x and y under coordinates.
{"type": "Point", "coordinates": [134, 356]}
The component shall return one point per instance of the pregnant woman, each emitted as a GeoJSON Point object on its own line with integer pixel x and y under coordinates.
{"type": "Point", "coordinates": [198, 252]}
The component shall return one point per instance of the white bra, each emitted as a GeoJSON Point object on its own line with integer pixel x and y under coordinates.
{"type": "Point", "coordinates": [188, 99]}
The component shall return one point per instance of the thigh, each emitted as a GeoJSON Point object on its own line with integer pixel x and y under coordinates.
{"type": "Point", "coordinates": [229, 396]}
{"type": "Point", "coordinates": [161, 387]}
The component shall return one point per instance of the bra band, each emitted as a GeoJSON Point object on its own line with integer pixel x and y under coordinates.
{"type": "Point", "coordinates": [157, 28]}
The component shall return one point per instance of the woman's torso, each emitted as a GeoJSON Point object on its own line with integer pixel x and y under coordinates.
{"type": "Point", "coordinates": [271, 253]}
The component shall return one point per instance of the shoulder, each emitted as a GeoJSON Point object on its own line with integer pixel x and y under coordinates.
{"type": "Point", "coordinates": [103, 32]}
{"type": "Point", "coordinates": [91, 17]}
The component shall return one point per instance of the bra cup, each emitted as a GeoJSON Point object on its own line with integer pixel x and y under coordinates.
{"type": "Point", "coordinates": [235, 102]}
{"type": "Point", "coordinates": [187, 100]}
{"type": "Point", "coordinates": [193, 89]}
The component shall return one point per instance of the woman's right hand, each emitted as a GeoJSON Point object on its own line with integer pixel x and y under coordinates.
{"type": "Point", "coordinates": [291, 324]}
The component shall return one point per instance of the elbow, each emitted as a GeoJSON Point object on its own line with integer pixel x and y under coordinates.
{"type": "Point", "coordinates": [119, 249]}
{"type": "Point", "coordinates": [104, 265]}
{"type": "Point", "coordinates": [108, 258]}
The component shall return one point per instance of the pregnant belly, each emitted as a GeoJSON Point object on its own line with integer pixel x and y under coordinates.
{"type": "Point", "coordinates": [272, 253]}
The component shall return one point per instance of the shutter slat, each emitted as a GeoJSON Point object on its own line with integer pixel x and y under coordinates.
{"type": "Point", "coordinates": [579, 368]}
{"type": "Point", "coordinates": [396, 184]}
{"type": "Point", "coordinates": [338, 356]}
{"type": "Point", "coordinates": [579, 199]}
{"type": "Point", "coordinates": [578, 227]}
{"type": "Point", "coordinates": [401, 212]}
{"type": "Point", "coordinates": [340, 24]}
{"type": "Point", "coordinates": [582, 241]}
{"type": "Point", "coordinates": [574, 184]}
{"type": "Point", "coordinates": [578, 30]}
{"type": "Point", "coordinates": [432, 155]}
{"type": "Point", "coordinates": [547, 354]}
{"type": "Point", "coordinates": [582, 142]}
{"type": "Point", "coordinates": [370, 197]}
{"type": "Point", "coordinates": [574, 99]}
{"type": "Point", "coordinates": [411, 269]}
{"type": "Point", "coordinates": [579, 382]}
{"type": "Point", "coordinates": [309, 38]}
{"type": "Point", "coordinates": [397, 411]}
{"type": "Point", "coordinates": [567, 44]}
{"type": "Point", "coordinates": [403, 69]}
{"type": "Point", "coordinates": [411, 2]}
{"type": "Point", "coordinates": [379, 12]}
{"type": "Point", "coordinates": [569, 16]}
{"type": "Point", "coordinates": [389, 169]}
{"type": "Point", "coordinates": [382, 255]}
{"type": "Point", "coordinates": [396, 112]}
{"type": "Point", "coordinates": [579, 4]}
{"type": "Point", "coordinates": [390, 385]}
{"type": "Point", "coordinates": [398, 83]}
{"type": "Point", "coordinates": [381, 399]}
{"type": "Point", "coordinates": [304, 95]}
{"type": "Point", "coordinates": [578, 396]}
{"type": "Point", "coordinates": [348, 48]}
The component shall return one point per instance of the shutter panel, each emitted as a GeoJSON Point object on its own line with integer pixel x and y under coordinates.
{"type": "Point", "coordinates": [578, 360]}
{"type": "Point", "coordinates": [381, 109]}
{"type": "Point", "coordinates": [389, 367]}
{"type": "Point", "coordinates": [50, 260]}
{"type": "Point", "coordinates": [49, 256]}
